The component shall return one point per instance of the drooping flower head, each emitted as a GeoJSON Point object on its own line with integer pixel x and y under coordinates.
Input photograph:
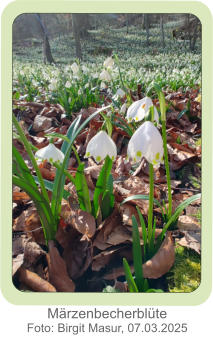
{"type": "Point", "coordinates": [75, 68]}
{"type": "Point", "coordinates": [109, 62]}
{"type": "Point", "coordinates": [49, 153]}
{"type": "Point", "coordinates": [140, 109]}
{"type": "Point", "coordinates": [100, 146]}
{"type": "Point", "coordinates": [146, 142]}
{"type": "Point", "coordinates": [105, 76]}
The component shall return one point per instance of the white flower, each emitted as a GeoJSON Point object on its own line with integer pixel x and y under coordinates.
{"type": "Point", "coordinates": [100, 146]}
{"type": "Point", "coordinates": [104, 75]}
{"type": "Point", "coordinates": [75, 68]}
{"type": "Point", "coordinates": [95, 75]}
{"type": "Point", "coordinates": [85, 69]}
{"type": "Point", "coordinates": [108, 63]}
{"type": "Point", "coordinates": [68, 84]}
{"type": "Point", "coordinates": [53, 85]}
{"type": "Point", "coordinates": [123, 108]}
{"type": "Point", "coordinates": [147, 142]}
{"type": "Point", "coordinates": [103, 85]}
{"type": "Point", "coordinates": [119, 94]}
{"type": "Point", "coordinates": [140, 109]}
{"type": "Point", "coordinates": [49, 153]}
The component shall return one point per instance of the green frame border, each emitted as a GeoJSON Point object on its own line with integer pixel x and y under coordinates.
{"type": "Point", "coordinates": [13, 295]}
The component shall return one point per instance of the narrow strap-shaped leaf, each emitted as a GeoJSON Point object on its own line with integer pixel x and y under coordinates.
{"type": "Point", "coordinates": [49, 186]}
{"type": "Point", "coordinates": [101, 184]}
{"type": "Point", "coordinates": [22, 166]}
{"type": "Point", "coordinates": [82, 189]}
{"type": "Point", "coordinates": [178, 211]}
{"type": "Point", "coordinates": [144, 231]}
{"type": "Point", "coordinates": [73, 127]}
{"type": "Point", "coordinates": [32, 158]}
{"type": "Point", "coordinates": [142, 197]}
{"type": "Point", "coordinates": [108, 200]}
{"type": "Point", "coordinates": [129, 278]}
{"type": "Point", "coordinates": [60, 177]}
{"type": "Point", "coordinates": [152, 240]}
{"type": "Point", "coordinates": [137, 255]}
{"type": "Point", "coordinates": [43, 208]}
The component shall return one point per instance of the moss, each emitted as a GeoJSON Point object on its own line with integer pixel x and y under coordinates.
{"type": "Point", "coordinates": [185, 274]}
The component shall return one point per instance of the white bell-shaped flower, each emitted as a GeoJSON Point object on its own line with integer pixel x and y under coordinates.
{"type": "Point", "coordinates": [75, 68]}
{"type": "Point", "coordinates": [68, 84]}
{"type": "Point", "coordinates": [100, 146]}
{"type": "Point", "coordinates": [119, 94]}
{"type": "Point", "coordinates": [146, 142]}
{"type": "Point", "coordinates": [140, 109]}
{"type": "Point", "coordinates": [123, 108]}
{"type": "Point", "coordinates": [109, 62]}
{"type": "Point", "coordinates": [49, 153]}
{"type": "Point", "coordinates": [105, 76]}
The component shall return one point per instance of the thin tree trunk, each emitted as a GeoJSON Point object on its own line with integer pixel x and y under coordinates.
{"type": "Point", "coordinates": [76, 36]}
{"type": "Point", "coordinates": [127, 23]}
{"type": "Point", "coordinates": [162, 30]}
{"type": "Point", "coordinates": [147, 28]}
{"type": "Point", "coordinates": [194, 37]}
{"type": "Point", "coordinates": [47, 54]}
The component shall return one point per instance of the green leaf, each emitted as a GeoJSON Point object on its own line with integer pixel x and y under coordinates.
{"type": "Point", "coordinates": [82, 189]}
{"type": "Point", "coordinates": [178, 211]}
{"type": "Point", "coordinates": [59, 180]}
{"type": "Point", "coordinates": [181, 114]}
{"type": "Point", "coordinates": [108, 200]}
{"type": "Point", "coordinates": [22, 167]}
{"type": "Point", "coordinates": [32, 158]}
{"type": "Point", "coordinates": [129, 278]}
{"type": "Point", "coordinates": [58, 135]}
{"type": "Point", "coordinates": [142, 197]}
{"type": "Point", "coordinates": [101, 185]}
{"type": "Point", "coordinates": [137, 255]}
{"type": "Point", "coordinates": [49, 186]}
{"type": "Point", "coordinates": [42, 206]}
{"type": "Point", "coordinates": [144, 231]}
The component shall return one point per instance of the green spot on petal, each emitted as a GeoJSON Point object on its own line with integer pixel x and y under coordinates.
{"type": "Point", "coordinates": [98, 158]}
{"type": "Point", "coordinates": [112, 158]}
{"type": "Point", "coordinates": [134, 160]}
{"type": "Point", "coordinates": [157, 156]}
{"type": "Point", "coordinates": [136, 118]}
{"type": "Point", "coordinates": [88, 154]}
{"type": "Point", "coordinates": [139, 154]}
{"type": "Point", "coordinates": [154, 162]}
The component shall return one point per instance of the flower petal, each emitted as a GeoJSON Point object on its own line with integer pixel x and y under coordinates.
{"type": "Point", "coordinates": [147, 142]}
{"type": "Point", "coordinates": [100, 146]}
{"type": "Point", "coordinates": [50, 153]}
{"type": "Point", "coordinates": [140, 109]}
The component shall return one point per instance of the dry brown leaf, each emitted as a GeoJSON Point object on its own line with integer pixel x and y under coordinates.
{"type": "Point", "coordinates": [34, 282]}
{"type": "Point", "coordinates": [160, 264]}
{"type": "Point", "coordinates": [17, 262]}
{"type": "Point", "coordinates": [188, 223]}
{"type": "Point", "coordinates": [162, 261]}
{"type": "Point", "coordinates": [58, 275]}
{"type": "Point", "coordinates": [192, 240]}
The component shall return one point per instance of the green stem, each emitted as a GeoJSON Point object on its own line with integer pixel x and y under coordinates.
{"type": "Point", "coordinates": [166, 160]}
{"type": "Point", "coordinates": [151, 201]}
{"type": "Point", "coordinates": [76, 154]}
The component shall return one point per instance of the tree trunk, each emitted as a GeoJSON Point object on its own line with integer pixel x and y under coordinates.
{"type": "Point", "coordinates": [162, 31]}
{"type": "Point", "coordinates": [76, 35]}
{"type": "Point", "coordinates": [47, 54]}
{"type": "Point", "coordinates": [146, 17]}
{"type": "Point", "coordinates": [194, 37]}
